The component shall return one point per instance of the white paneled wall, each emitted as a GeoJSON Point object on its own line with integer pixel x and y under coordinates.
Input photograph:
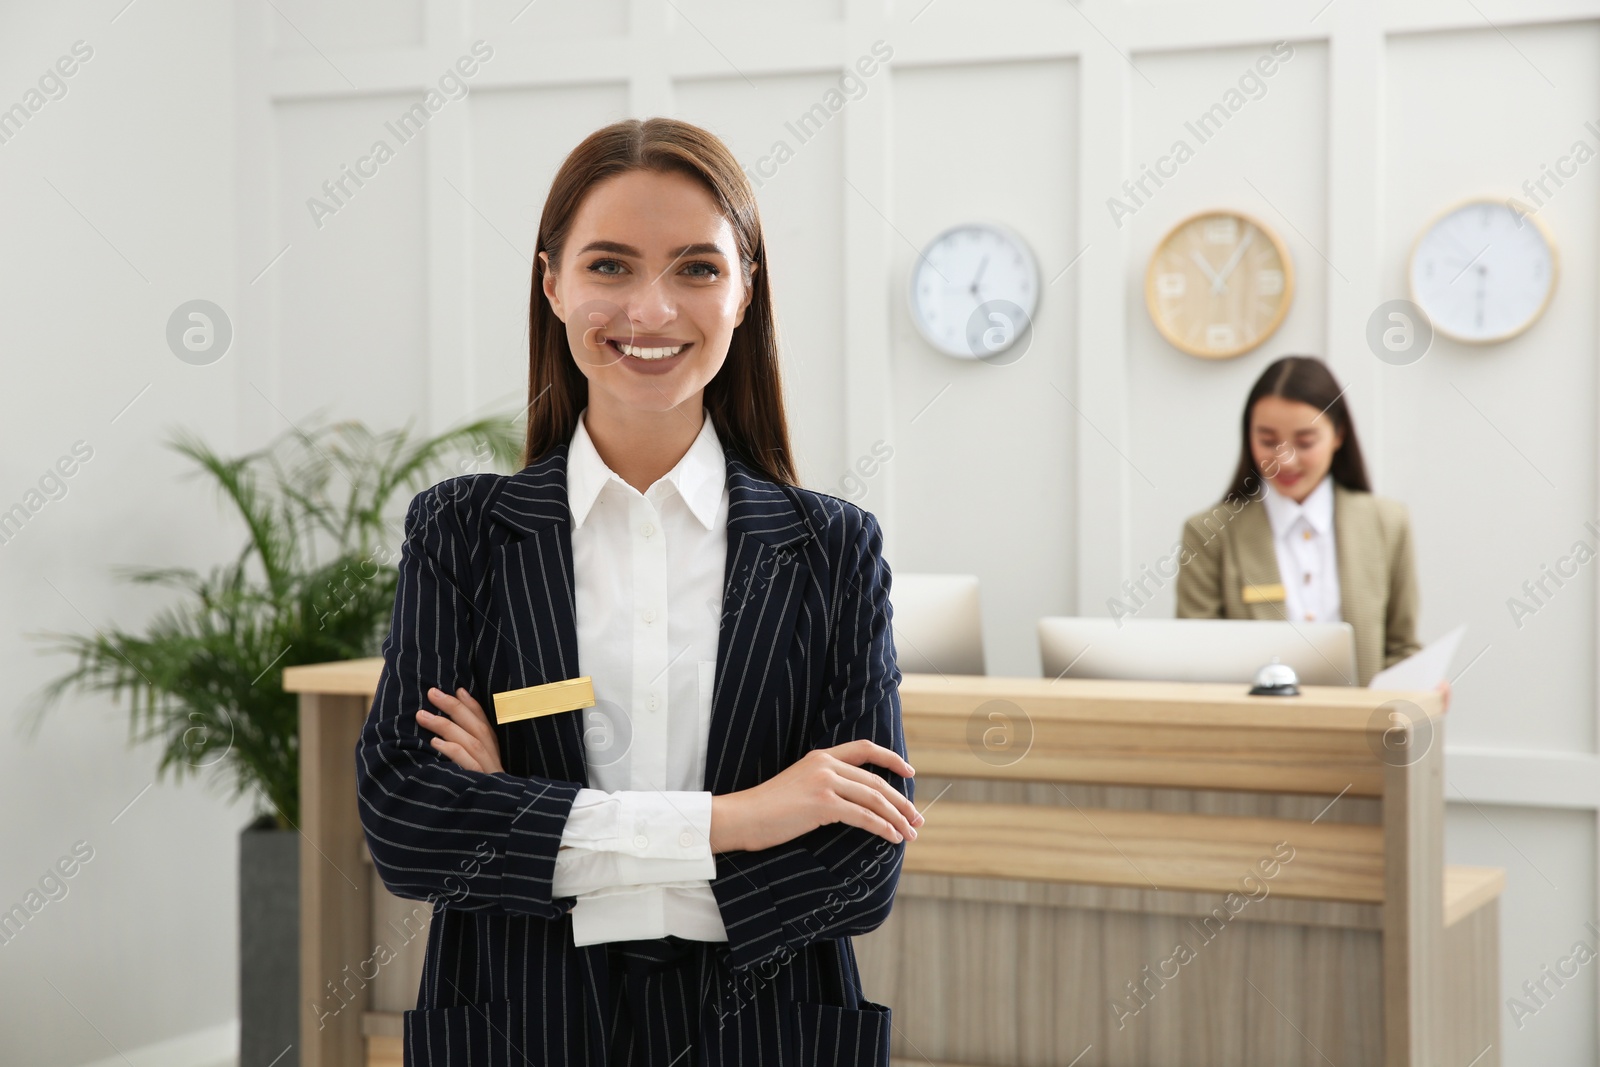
{"type": "Point", "coordinates": [985, 454]}
{"type": "Point", "coordinates": [351, 291]}
{"type": "Point", "coordinates": [1056, 476]}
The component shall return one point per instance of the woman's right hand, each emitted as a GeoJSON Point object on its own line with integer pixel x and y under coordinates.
{"type": "Point", "coordinates": [826, 785]}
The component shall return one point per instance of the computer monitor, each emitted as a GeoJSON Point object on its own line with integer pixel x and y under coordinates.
{"type": "Point", "coordinates": [938, 627]}
{"type": "Point", "coordinates": [1196, 650]}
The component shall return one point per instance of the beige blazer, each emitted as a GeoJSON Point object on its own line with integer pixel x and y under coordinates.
{"type": "Point", "coordinates": [1229, 570]}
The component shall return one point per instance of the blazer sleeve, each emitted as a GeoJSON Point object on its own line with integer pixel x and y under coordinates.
{"type": "Point", "coordinates": [1199, 574]}
{"type": "Point", "coordinates": [436, 831]}
{"type": "Point", "coordinates": [837, 880]}
{"type": "Point", "coordinates": [1400, 617]}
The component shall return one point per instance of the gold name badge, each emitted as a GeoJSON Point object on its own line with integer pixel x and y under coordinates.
{"type": "Point", "coordinates": [1263, 594]}
{"type": "Point", "coordinates": [569, 694]}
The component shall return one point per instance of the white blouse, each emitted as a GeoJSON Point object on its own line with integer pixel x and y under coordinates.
{"type": "Point", "coordinates": [1308, 560]}
{"type": "Point", "coordinates": [648, 569]}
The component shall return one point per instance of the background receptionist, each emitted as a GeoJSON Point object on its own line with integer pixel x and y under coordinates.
{"type": "Point", "coordinates": [1299, 534]}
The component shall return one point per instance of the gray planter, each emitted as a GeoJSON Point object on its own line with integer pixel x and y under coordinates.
{"type": "Point", "coordinates": [269, 946]}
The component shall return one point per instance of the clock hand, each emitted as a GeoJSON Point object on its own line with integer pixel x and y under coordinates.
{"type": "Point", "coordinates": [973, 288]}
{"type": "Point", "coordinates": [1194, 254]}
{"type": "Point", "coordinates": [1218, 283]}
{"type": "Point", "coordinates": [1482, 273]}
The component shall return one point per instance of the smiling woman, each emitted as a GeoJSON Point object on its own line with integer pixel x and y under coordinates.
{"type": "Point", "coordinates": [686, 833]}
{"type": "Point", "coordinates": [616, 300]}
{"type": "Point", "coordinates": [1299, 535]}
{"type": "Point", "coordinates": [643, 274]}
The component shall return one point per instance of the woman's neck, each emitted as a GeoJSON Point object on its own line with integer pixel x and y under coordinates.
{"type": "Point", "coordinates": [641, 446]}
{"type": "Point", "coordinates": [1306, 493]}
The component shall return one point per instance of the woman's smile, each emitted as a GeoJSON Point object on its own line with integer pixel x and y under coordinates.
{"type": "Point", "coordinates": [649, 358]}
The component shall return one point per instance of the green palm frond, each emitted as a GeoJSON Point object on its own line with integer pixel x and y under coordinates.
{"type": "Point", "coordinates": [203, 680]}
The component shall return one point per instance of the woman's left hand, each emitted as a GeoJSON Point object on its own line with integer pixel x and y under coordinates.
{"type": "Point", "coordinates": [465, 735]}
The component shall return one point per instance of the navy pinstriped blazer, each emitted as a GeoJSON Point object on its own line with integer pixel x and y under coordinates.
{"type": "Point", "coordinates": [805, 659]}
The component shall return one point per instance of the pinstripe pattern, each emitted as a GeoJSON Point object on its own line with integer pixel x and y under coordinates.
{"type": "Point", "coordinates": [805, 659]}
{"type": "Point", "coordinates": [1230, 546]}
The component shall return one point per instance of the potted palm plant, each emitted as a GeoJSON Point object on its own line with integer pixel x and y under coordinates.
{"type": "Point", "coordinates": [313, 582]}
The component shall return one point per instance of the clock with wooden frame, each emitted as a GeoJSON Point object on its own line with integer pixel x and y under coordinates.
{"type": "Point", "coordinates": [1219, 283]}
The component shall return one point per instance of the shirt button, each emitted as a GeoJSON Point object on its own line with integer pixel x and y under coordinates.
{"type": "Point", "coordinates": [640, 841]}
{"type": "Point", "coordinates": [653, 703]}
{"type": "Point", "coordinates": [649, 616]}
{"type": "Point", "coordinates": [647, 529]}
{"type": "Point", "coordinates": [685, 839]}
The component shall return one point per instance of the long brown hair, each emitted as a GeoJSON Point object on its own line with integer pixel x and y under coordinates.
{"type": "Point", "coordinates": [745, 399]}
{"type": "Point", "coordinates": [1308, 380]}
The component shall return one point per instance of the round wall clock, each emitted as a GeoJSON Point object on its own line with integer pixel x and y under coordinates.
{"type": "Point", "coordinates": [1483, 272]}
{"type": "Point", "coordinates": [974, 290]}
{"type": "Point", "coordinates": [1218, 284]}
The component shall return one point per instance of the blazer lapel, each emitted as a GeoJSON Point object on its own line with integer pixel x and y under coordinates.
{"type": "Point", "coordinates": [1363, 573]}
{"type": "Point", "coordinates": [534, 608]}
{"type": "Point", "coordinates": [1257, 559]}
{"type": "Point", "coordinates": [762, 590]}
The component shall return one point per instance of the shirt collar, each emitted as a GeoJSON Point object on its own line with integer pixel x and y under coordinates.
{"type": "Point", "coordinates": [699, 477]}
{"type": "Point", "coordinates": [1316, 509]}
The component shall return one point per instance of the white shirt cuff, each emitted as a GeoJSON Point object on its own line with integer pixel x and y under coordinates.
{"type": "Point", "coordinates": [647, 823]}
{"type": "Point", "coordinates": [689, 910]}
{"type": "Point", "coordinates": [634, 838]}
{"type": "Point", "coordinates": [579, 871]}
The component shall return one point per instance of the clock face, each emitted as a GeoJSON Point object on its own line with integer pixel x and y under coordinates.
{"type": "Point", "coordinates": [974, 290]}
{"type": "Point", "coordinates": [1219, 284]}
{"type": "Point", "coordinates": [1482, 273]}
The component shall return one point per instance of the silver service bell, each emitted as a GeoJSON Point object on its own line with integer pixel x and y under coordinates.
{"type": "Point", "coordinates": [1276, 680]}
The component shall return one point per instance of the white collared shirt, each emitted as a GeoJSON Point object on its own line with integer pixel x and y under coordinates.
{"type": "Point", "coordinates": [1308, 561]}
{"type": "Point", "coordinates": [648, 570]}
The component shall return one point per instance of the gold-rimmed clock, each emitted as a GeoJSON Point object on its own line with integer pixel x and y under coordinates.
{"type": "Point", "coordinates": [1483, 271]}
{"type": "Point", "coordinates": [1219, 283]}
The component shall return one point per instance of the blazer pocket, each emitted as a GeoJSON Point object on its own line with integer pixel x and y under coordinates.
{"type": "Point", "coordinates": [832, 1036]}
{"type": "Point", "coordinates": [487, 1034]}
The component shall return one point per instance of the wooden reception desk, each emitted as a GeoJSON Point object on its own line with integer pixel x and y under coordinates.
{"type": "Point", "coordinates": [1111, 873]}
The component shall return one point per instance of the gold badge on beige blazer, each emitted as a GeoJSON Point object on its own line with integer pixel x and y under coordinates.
{"type": "Point", "coordinates": [1229, 570]}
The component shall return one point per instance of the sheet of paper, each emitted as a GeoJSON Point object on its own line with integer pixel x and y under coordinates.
{"type": "Point", "coordinates": [1426, 669]}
